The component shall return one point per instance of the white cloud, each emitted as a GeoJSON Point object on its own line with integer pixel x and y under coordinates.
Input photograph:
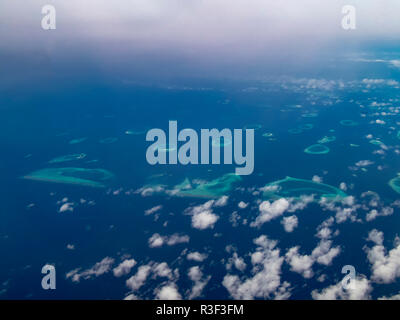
{"type": "Point", "coordinates": [385, 264]}
{"type": "Point", "coordinates": [237, 262]}
{"type": "Point", "coordinates": [300, 263]}
{"type": "Point", "coordinates": [394, 297]}
{"type": "Point", "coordinates": [289, 223]}
{"type": "Point", "coordinates": [157, 240]}
{"type": "Point", "coordinates": [168, 292]}
{"type": "Point", "coordinates": [361, 291]}
{"type": "Point", "coordinates": [375, 236]}
{"type": "Point", "coordinates": [153, 210]}
{"type": "Point", "coordinates": [162, 270]}
{"type": "Point", "coordinates": [196, 275]}
{"type": "Point", "coordinates": [323, 254]}
{"type": "Point", "coordinates": [69, 206]}
{"type": "Point", "coordinates": [131, 297]}
{"type": "Point", "coordinates": [269, 211]}
{"type": "Point", "coordinates": [204, 220]}
{"type": "Point", "coordinates": [242, 205]}
{"type": "Point", "coordinates": [176, 239]}
{"type": "Point", "coordinates": [343, 186]}
{"type": "Point", "coordinates": [196, 256]}
{"type": "Point", "coordinates": [97, 270]}
{"type": "Point", "coordinates": [324, 233]}
{"type": "Point", "coordinates": [317, 179]}
{"type": "Point", "coordinates": [265, 281]}
{"type": "Point", "coordinates": [386, 211]}
{"type": "Point", "coordinates": [345, 208]}
{"type": "Point", "coordinates": [138, 280]}
{"type": "Point", "coordinates": [202, 215]}
{"type": "Point", "coordinates": [221, 202]}
{"type": "Point", "coordinates": [124, 267]}
{"type": "Point", "coordinates": [364, 163]}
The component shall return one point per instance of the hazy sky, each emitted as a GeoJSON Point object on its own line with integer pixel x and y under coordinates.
{"type": "Point", "coordinates": [208, 32]}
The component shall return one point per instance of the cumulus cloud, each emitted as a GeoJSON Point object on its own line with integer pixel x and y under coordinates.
{"type": "Point", "coordinates": [100, 268]}
{"type": "Point", "coordinates": [157, 240]}
{"type": "Point", "coordinates": [204, 220]}
{"type": "Point", "coordinates": [124, 267]}
{"type": "Point", "coordinates": [136, 281]}
{"type": "Point", "coordinates": [196, 275]}
{"type": "Point", "coordinates": [385, 211]}
{"type": "Point", "coordinates": [324, 229]}
{"type": "Point", "coordinates": [289, 223]}
{"type": "Point", "coordinates": [361, 291]}
{"type": "Point", "coordinates": [375, 236]}
{"type": "Point", "coordinates": [221, 202]}
{"type": "Point", "coordinates": [153, 269]}
{"type": "Point", "coordinates": [196, 256]}
{"type": "Point", "coordinates": [153, 210]}
{"type": "Point", "coordinates": [385, 265]}
{"type": "Point", "coordinates": [66, 207]}
{"type": "Point", "coordinates": [162, 270]}
{"type": "Point", "coordinates": [300, 263]}
{"type": "Point", "coordinates": [242, 205]}
{"type": "Point", "coordinates": [345, 208]}
{"type": "Point", "coordinates": [317, 179]}
{"type": "Point", "coordinates": [323, 254]}
{"type": "Point", "coordinates": [203, 216]}
{"type": "Point", "coordinates": [265, 279]}
{"type": "Point", "coordinates": [237, 262]}
{"type": "Point", "coordinates": [147, 191]}
{"type": "Point", "coordinates": [364, 163]}
{"type": "Point", "coordinates": [394, 297]}
{"type": "Point", "coordinates": [168, 292]}
{"type": "Point", "coordinates": [269, 211]}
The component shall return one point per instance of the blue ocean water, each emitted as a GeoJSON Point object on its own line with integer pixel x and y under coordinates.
{"type": "Point", "coordinates": [38, 122]}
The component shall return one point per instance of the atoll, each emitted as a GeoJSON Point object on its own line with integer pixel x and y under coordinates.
{"type": "Point", "coordinates": [317, 149]}
{"type": "Point", "coordinates": [348, 123]}
{"type": "Point", "coordinates": [296, 188]}
{"type": "Point", "coordinates": [395, 184]}
{"type": "Point", "coordinates": [80, 176]}
{"type": "Point", "coordinates": [68, 157]}
{"type": "Point", "coordinates": [327, 139]}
